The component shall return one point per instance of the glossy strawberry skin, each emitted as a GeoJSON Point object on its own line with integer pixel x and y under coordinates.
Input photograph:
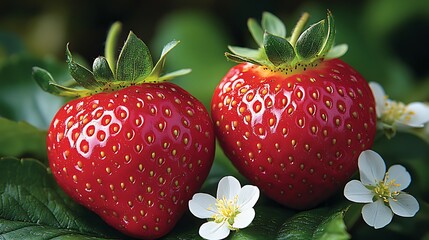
{"type": "Point", "coordinates": [135, 156]}
{"type": "Point", "coordinates": [297, 136]}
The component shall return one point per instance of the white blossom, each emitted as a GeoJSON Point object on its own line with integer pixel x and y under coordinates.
{"type": "Point", "coordinates": [395, 115]}
{"type": "Point", "coordinates": [381, 190]}
{"type": "Point", "coordinates": [232, 209]}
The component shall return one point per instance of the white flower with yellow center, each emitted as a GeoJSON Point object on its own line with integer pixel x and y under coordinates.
{"type": "Point", "coordinates": [381, 190]}
{"type": "Point", "coordinates": [232, 208]}
{"type": "Point", "coordinates": [395, 115]}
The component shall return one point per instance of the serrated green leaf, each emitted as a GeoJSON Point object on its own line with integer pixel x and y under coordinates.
{"type": "Point", "coordinates": [311, 41]}
{"type": "Point", "coordinates": [135, 61]}
{"type": "Point", "coordinates": [20, 139]}
{"type": "Point", "coordinates": [272, 24]}
{"type": "Point", "coordinates": [101, 70]}
{"type": "Point", "coordinates": [47, 83]}
{"type": "Point", "coordinates": [31, 204]}
{"type": "Point", "coordinates": [278, 49]}
{"type": "Point", "coordinates": [317, 224]}
{"type": "Point", "coordinates": [82, 75]}
{"type": "Point", "coordinates": [256, 31]}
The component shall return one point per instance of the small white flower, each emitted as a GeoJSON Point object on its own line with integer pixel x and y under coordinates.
{"type": "Point", "coordinates": [232, 208]}
{"type": "Point", "coordinates": [393, 114]}
{"type": "Point", "coordinates": [381, 190]}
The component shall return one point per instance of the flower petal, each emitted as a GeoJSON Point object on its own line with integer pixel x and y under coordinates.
{"type": "Point", "coordinates": [202, 205]}
{"type": "Point", "coordinates": [247, 197]}
{"type": "Point", "coordinates": [400, 175]}
{"type": "Point", "coordinates": [355, 191]}
{"type": "Point", "coordinates": [212, 230]}
{"type": "Point", "coordinates": [228, 187]}
{"type": "Point", "coordinates": [379, 96]}
{"type": "Point", "coordinates": [377, 214]}
{"type": "Point", "coordinates": [405, 205]}
{"type": "Point", "coordinates": [371, 167]}
{"type": "Point", "coordinates": [416, 115]}
{"type": "Point", "coordinates": [244, 218]}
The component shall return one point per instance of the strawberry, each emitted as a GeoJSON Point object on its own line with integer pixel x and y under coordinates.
{"type": "Point", "coordinates": [131, 148]}
{"type": "Point", "coordinates": [291, 116]}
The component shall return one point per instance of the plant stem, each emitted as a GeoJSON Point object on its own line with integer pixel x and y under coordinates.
{"type": "Point", "coordinates": [298, 28]}
{"type": "Point", "coordinates": [111, 42]}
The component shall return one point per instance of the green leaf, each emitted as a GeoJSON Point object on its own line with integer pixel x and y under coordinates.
{"type": "Point", "coordinates": [240, 59]}
{"type": "Point", "coordinates": [311, 41]}
{"type": "Point", "coordinates": [337, 51]}
{"type": "Point", "coordinates": [101, 70]}
{"type": "Point", "coordinates": [171, 75]}
{"type": "Point", "coordinates": [257, 55]}
{"type": "Point", "coordinates": [21, 139]}
{"type": "Point", "coordinates": [24, 230]}
{"type": "Point", "coordinates": [21, 99]}
{"type": "Point", "coordinates": [154, 76]}
{"type": "Point", "coordinates": [297, 30]}
{"type": "Point", "coordinates": [256, 31]}
{"type": "Point", "coordinates": [278, 49]}
{"type": "Point", "coordinates": [186, 228]}
{"type": "Point", "coordinates": [111, 42]}
{"type": "Point", "coordinates": [82, 75]}
{"type": "Point", "coordinates": [32, 205]}
{"type": "Point", "coordinates": [44, 78]}
{"type": "Point", "coordinates": [272, 24]}
{"type": "Point", "coordinates": [317, 224]}
{"type": "Point", "coordinates": [330, 35]}
{"type": "Point", "coordinates": [353, 215]}
{"type": "Point", "coordinates": [48, 84]}
{"type": "Point", "coordinates": [267, 222]}
{"type": "Point", "coordinates": [135, 61]}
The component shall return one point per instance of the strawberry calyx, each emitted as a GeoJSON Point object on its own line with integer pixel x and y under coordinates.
{"type": "Point", "coordinates": [133, 66]}
{"type": "Point", "coordinates": [303, 49]}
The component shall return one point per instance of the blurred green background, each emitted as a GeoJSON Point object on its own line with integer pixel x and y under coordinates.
{"type": "Point", "coordinates": [387, 43]}
{"type": "Point", "coordinates": [387, 38]}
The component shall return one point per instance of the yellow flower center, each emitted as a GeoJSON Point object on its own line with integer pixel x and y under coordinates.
{"type": "Point", "coordinates": [383, 189]}
{"type": "Point", "coordinates": [227, 210]}
{"type": "Point", "coordinates": [393, 111]}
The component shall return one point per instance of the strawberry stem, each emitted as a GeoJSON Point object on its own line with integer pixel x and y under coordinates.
{"type": "Point", "coordinates": [111, 42]}
{"type": "Point", "coordinates": [279, 53]}
{"type": "Point", "coordinates": [298, 28]}
{"type": "Point", "coordinates": [132, 66]}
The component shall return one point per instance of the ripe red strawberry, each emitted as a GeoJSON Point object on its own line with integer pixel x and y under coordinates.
{"type": "Point", "coordinates": [134, 153]}
{"type": "Point", "coordinates": [295, 118]}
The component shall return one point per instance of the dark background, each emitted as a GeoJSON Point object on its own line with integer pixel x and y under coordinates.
{"type": "Point", "coordinates": [399, 27]}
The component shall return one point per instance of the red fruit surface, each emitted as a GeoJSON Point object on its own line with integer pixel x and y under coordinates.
{"type": "Point", "coordinates": [295, 135]}
{"type": "Point", "coordinates": [135, 156]}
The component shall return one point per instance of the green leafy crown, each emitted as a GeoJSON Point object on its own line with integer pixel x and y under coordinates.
{"type": "Point", "coordinates": [281, 53]}
{"type": "Point", "coordinates": [133, 66]}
